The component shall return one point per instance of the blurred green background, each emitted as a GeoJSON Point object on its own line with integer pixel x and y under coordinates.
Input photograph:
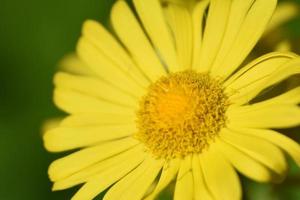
{"type": "Point", "coordinates": [34, 35]}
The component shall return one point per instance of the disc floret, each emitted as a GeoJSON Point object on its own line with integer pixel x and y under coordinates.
{"type": "Point", "coordinates": [181, 114]}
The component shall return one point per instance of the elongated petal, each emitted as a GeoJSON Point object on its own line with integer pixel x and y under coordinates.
{"type": "Point", "coordinates": [103, 180]}
{"type": "Point", "coordinates": [218, 13]}
{"type": "Point", "coordinates": [184, 188]}
{"type": "Point", "coordinates": [67, 138]}
{"type": "Point", "coordinates": [141, 185]}
{"type": "Point", "coordinates": [74, 162]}
{"type": "Point", "coordinates": [136, 183]}
{"type": "Point", "coordinates": [96, 119]}
{"type": "Point", "coordinates": [291, 147]}
{"type": "Point", "coordinates": [168, 173]}
{"type": "Point", "coordinates": [151, 15]}
{"type": "Point", "coordinates": [88, 173]}
{"type": "Point", "coordinates": [291, 68]}
{"type": "Point", "coordinates": [291, 97]}
{"type": "Point", "coordinates": [51, 123]}
{"type": "Point", "coordinates": [285, 71]}
{"type": "Point", "coordinates": [73, 65]}
{"type": "Point", "coordinates": [94, 87]}
{"type": "Point", "coordinates": [180, 22]}
{"type": "Point", "coordinates": [238, 12]}
{"type": "Point", "coordinates": [258, 64]}
{"type": "Point", "coordinates": [247, 82]}
{"type": "Point", "coordinates": [259, 149]}
{"type": "Point", "coordinates": [249, 33]}
{"type": "Point", "coordinates": [271, 116]}
{"type": "Point", "coordinates": [220, 176]}
{"type": "Point", "coordinates": [198, 16]}
{"type": "Point", "coordinates": [132, 36]}
{"type": "Point", "coordinates": [75, 102]}
{"type": "Point", "coordinates": [109, 46]}
{"type": "Point", "coordinates": [200, 186]}
{"type": "Point", "coordinates": [244, 163]}
{"type": "Point", "coordinates": [105, 68]}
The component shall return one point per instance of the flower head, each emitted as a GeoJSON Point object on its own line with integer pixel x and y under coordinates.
{"type": "Point", "coordinates": [168, 98]}
{"type": "Point", "coordinates": [181, 114]}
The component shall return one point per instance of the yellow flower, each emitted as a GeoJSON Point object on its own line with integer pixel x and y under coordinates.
{"type": "Point", "coordinates": [165, 99]}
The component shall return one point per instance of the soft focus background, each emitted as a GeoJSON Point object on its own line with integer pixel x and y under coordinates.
{"type": "Point", "coordinates": [34, 35]}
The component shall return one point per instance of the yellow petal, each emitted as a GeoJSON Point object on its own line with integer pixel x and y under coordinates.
{"type": "Point", "coordinates": [75, 102]}
{"type": "Point", "coordinates": [291, 147]}
{"type": "Point", "coordinates": [280, 57]}
{"type": "Point", "coordinates": [73, 65]}
{"type": "Point", "coordinates": [220, 176]}
{"type": "Point", "coordinates": [291, 97]}
{"type": "Point", "coordinates": [77, 161]}
{"type": "Point", "coordinates": [249, 33]}
{"type": "Point", "coordinates": [131, 34]}
{"type": "Point", "coordinates": [51, 123]}
{"type": "Point", "coordinates": [247, 82]}
{"type": "Point", "coordinates": [244, 163]}
{"type": "Point", "coordinates": [259, 149]}
{"type": "Point", "coordinates": [186, 3]}
{"type": "Point", "coordinates": [94, 87]}
{"type": "Point", "coordinates": [151, 15]}
{"type": "Point", "coordinates": [198, 15]}
{"type": "Point", "coordinates": [216, 22]}
{"type": "Point", "coordinates": [168, 173]}
{"type": "Point", "coordinates": [88, 173]}
{"type": "Point", "coordinates": [285, 71]}
{"type": "Point", "coordinates": [238, 12]}
{"type": "Point", "coordinates": [270, 116]}
{"type": "Point", "coordinates": [284, 12]}
{"type": "Point", "coordinates": [67, 138]}
{"type": "Point", "coordinates": [102, 181]}
{"type": "Point", "coordinates": [135, 184]}
{"type": "Point", "coordinates": [96, 119]}
{"type": "Point", "coordinates": [138, 189]}
{"type": "Point", "coordinates": [105, 68]}
{"type": "Point", "coordinates": [200, 186]}
{"type": "Point", "coordinates": [184, 188]}
{"type": "Point", "coordinates": [109, 46]}
{"type": "Point", "coordinates": [180, 22]}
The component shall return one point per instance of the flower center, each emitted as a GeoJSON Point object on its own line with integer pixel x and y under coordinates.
{"type": "Point", "coordinates": [181, 114]}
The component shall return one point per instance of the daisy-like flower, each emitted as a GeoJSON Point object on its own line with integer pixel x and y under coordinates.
{"type": "Point", "coordinates": [165, 98]}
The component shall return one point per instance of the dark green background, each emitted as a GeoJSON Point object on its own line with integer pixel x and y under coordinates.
{"type": "Point", "coordinates": [34, 35]}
